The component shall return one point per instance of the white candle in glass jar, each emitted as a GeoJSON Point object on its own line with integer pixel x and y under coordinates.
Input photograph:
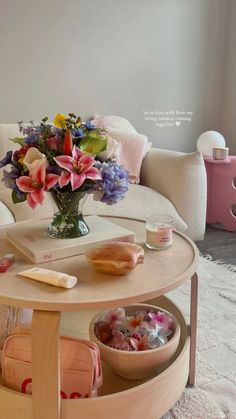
{"type": "Point", "coordinates": [159, 232]}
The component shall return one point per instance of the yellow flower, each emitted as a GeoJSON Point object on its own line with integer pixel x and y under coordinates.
{"type": "Point", "coordinates": [21, 160]}
{"type": "Point", "coordinates": [60, 120]}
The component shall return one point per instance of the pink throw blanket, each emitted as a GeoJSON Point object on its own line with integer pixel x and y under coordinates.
{"type": "Point", "coordinates": [131, 152]}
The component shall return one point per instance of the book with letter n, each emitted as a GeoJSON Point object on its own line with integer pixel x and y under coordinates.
{"type": "Point", "coordinates": [32, 239]}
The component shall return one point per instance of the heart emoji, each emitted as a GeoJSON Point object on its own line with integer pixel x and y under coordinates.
{"type": "Point", "coordinates": [177, 123]}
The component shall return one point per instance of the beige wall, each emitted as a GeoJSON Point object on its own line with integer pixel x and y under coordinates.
{"type": "Point", "coordinates": [115, 57]}
{"type": "Point", "coordinates": [229, 102]}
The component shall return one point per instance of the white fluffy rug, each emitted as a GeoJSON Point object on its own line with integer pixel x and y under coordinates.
{"type": "Point", "coordinates": [214, 396]}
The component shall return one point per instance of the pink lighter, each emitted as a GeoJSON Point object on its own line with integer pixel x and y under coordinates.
{"type": "Point", "coordinates": [6, 262]}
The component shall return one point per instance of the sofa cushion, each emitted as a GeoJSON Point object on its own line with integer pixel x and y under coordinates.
{"type": "Point", "coordinates": [181, 177]}
{"type": "Point", "coordinates": [109, 122]}
{"type": "Point", "coordinates": [138, 203]}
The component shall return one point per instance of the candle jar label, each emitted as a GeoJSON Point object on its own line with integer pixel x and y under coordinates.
{"type": "Point", "coordinates": [158, 232]}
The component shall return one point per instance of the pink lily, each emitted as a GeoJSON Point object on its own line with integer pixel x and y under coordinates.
{"type": "Point", "coordinates": [64, 178]}
{"type": "Point", "coordinates": [36, 183]}
{"type": "Point", "coordinates": [79, 166]}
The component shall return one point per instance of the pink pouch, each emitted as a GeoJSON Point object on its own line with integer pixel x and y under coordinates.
{"type": "Point", "coordinates": [81, 372]}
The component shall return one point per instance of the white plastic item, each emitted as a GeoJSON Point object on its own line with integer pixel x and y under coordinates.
{"type": "Point", "coordinates": [58, 279]}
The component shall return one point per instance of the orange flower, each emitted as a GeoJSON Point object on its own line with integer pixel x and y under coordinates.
{"type": "Point", "coordinates": [68, 143]}
{"type": "Point", "coordinates": [136, 321]}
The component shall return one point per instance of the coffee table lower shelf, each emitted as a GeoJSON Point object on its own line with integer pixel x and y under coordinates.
{"type": "Point", "coordinates": [150, 398]}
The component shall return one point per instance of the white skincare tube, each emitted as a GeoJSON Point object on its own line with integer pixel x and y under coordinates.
{"type": "Point", "coordinates": [58, 279]}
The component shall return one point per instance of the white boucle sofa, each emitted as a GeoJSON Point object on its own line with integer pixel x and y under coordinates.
{"type": "Point", "coordinates": [172, 183]}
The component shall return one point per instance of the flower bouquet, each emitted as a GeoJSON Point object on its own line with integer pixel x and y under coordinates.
{"type": "Point", "coordinates": [69, 159]}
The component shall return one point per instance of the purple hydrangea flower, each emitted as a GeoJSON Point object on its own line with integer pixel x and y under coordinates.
{"type": "Point", "coordinates": [114, 184]}
{"type": "Point", "coordinates": [6, 160]}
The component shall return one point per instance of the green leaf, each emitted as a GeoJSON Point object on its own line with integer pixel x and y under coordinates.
{"type": "Point", "coordinates": [93, 144]}
{"type": "Point", "coordinates": [16, 199]}
{"type": "Point", "coordinates": [18, 140]}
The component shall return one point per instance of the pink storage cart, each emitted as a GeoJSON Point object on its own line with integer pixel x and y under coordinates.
{"type": "Point", "coordinates": [221, 191]}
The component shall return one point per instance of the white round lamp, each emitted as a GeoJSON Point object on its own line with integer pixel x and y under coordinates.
{"type": "Point", "coordinates": [208, 140]}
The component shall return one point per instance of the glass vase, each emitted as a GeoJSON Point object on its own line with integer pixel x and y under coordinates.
{"type": "Point", "coordinates": [68, 221]}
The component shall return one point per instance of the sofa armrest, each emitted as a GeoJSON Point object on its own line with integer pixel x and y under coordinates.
{"type": "Point", "coordinates": [181, 178]}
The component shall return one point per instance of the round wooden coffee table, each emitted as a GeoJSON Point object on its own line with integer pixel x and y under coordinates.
{"type": "Point", "coordinates": [162, 272]}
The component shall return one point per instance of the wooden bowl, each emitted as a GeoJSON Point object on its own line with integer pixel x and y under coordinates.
{"type": "Point", "coordinates": [137, 365]}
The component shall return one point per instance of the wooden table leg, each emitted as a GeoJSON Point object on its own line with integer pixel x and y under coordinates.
{"type": "Point", "coordinates": [45, 365]}
{"type": "Point", "coordinates": [193, 329]}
